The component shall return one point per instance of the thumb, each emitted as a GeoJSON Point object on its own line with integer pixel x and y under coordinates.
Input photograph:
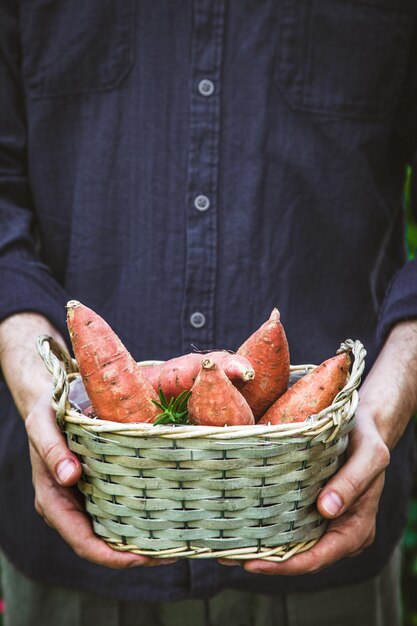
{"type": "Point", "coordinates": [368, 458]}
{"type": "Point", "coordinates": [50, 444]}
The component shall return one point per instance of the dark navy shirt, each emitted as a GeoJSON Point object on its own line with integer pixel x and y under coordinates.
{"type": "Point", "coordinates": [184, 167]}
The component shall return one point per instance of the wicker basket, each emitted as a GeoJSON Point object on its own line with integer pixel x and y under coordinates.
{"type": "Point", "coordinates": [236, 492]}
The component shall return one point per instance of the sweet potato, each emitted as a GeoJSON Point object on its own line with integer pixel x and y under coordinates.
{"type": "Point", "coordinates": [178, 374]}
{"type": "Point", "coordinates": [114, 382]}
{"type": "Point", "coordinates": [215, 401]}
{"type": "Point", "coordinates": [267, 350]}
{"type": "Point", "coordinates": [312, 393]}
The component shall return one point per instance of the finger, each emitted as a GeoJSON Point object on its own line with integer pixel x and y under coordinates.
{"type": "Point", "coordinates": [62, 509]}
{"type": "Point", "coordinates": [369, 457]}
{"type": "Point", "coordinates": [326, 551]}
{"type": "Point", "coordinates": [344, 536]}
{"type": "Point", "coordinates": [50, 443]}
{"type": "Point", "coordinates": [75, 528]}
{"type": "Point", "coordinates": [53, 464]}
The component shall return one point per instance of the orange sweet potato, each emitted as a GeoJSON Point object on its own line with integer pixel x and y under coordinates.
{"type": "Point", "coordinates": [267, 350]}
{"type": "Point", "coordinates": [215, 401]}
{"type": "Point", "coordinates": [178, 374]}
{"type": "Point", "coordinates": [114, 382]}
{"type": "Point", "coordinates": [312, 393]}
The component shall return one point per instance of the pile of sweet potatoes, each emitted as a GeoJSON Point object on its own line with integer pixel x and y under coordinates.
{"type": "Point", "coordinates": [222, 388]}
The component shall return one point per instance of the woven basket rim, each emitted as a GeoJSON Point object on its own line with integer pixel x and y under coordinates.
{"type": "Point", "coordinates": [64, 368]}
{"type": "Point", "coordinates": [218, 432]}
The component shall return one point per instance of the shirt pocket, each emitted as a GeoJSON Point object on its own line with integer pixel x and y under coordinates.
{"type": "Point", "coordinates": [344, 58]}
{"type": "Point", "coordinates": [71, 47]}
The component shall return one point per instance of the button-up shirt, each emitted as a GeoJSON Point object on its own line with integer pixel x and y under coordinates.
{"type": "Point", "coordinates": [183, 168]}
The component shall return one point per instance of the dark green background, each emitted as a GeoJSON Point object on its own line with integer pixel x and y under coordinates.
{"type": "Point", "coordinates": [409, 582]}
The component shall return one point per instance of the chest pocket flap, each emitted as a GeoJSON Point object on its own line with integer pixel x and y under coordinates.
{"type": "Point", "coordinates": [344, 57]}
{"type": "Point", "coordinates": [73, 47]}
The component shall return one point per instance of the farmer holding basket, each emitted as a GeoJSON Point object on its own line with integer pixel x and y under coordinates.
{"type": "Point", "coordinates": [184, 169]}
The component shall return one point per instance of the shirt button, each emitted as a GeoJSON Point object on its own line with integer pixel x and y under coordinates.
{"type": "Point", "coordinates": [201, 203]}
{"type": "Point", "coordinates": [205, 87]}
{"type": "Point", "coordinates": [197, 319]}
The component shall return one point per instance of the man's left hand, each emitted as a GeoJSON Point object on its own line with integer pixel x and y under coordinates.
{"type": "Point", "coordinates": [388, 398]}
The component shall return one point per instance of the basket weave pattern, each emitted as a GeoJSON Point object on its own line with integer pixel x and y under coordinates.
{"type": "Point", "coordinates": [203, 492]}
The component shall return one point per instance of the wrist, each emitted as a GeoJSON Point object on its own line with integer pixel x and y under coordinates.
{"type": "Point", "coordinates": [22, 367]}
{"type": "Point", "coordinates": [389, 393]}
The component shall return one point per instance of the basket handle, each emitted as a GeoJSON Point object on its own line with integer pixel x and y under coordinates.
{"type": "Point", "coordinates": [350, 389]}
{"type": "Point", "coordinates": [358, 366]}
{"type": "Point", "coordinates": [59, 364]}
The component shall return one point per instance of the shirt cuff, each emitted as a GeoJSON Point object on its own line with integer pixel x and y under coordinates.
{"type": "Point", "coordinates": [27, 289]}
{"type": "Point", "coordinates": [401, 300]}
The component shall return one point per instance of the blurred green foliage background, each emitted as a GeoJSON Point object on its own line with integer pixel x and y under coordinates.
{"type": "Point", "coordinates": [409, 580]}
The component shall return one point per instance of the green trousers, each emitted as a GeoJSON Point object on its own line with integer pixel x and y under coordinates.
{"type": "Point", "coordinates": [373, 603]}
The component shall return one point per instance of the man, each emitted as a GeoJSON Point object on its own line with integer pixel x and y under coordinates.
{"type": "Point", "coordinates": [182, 168]}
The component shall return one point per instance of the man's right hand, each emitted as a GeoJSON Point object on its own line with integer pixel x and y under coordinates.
{"type": "Point", "coordinates": [55, 469]}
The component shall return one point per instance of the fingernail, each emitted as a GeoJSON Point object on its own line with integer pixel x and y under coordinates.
{"type": "Point", "coordinates": [332, 503]}
{"type": "Point", "coordinates": [256, 570]}
{"type": "Point", "coordinates": [151, 562]}
{"type": "Point", "coordinates": [137, 563]}
{"type": "Point", "coordinates": [65, 470]}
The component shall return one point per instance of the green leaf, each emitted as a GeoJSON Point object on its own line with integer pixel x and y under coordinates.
{"type": "Point", "coordinates": [174, 411]}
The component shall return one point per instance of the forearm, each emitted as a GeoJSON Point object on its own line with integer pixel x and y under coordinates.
{"type": "Point", "coordinates": [24, 372]}
{"type": "Point", "coordinates": [389, 392]}
{"type": "Point", "coordinates": [54, 466]}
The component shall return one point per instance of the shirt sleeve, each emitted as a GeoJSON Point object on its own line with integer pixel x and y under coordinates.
{"type": "Point", "coordinates": [26, 284]}
{"type": "Point", "coordinates": [401, 300]}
